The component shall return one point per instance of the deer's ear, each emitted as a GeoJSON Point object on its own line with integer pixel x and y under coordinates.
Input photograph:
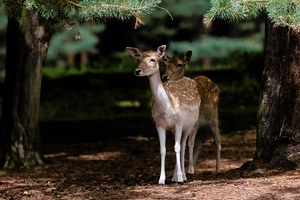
{"type": "Point", "coordinates": [134, 52]}
{"type": "Point", "coordinates": [165, 58]}
{"type": "Point", "coordinates": [187, 56]}
{"type": "Point", "coordinates": [161, 50]}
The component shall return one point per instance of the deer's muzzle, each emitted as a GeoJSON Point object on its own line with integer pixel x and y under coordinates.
{"type": "Point", "coordinates": [137, 71]}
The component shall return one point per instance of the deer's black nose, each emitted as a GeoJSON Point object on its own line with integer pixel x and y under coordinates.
{"type": "Point", "coordinates": [165, 77]}
{"type": "Point", "coordinates": [137, 71]}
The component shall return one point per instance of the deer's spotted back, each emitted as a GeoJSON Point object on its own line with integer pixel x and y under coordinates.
{"type": "Point", "coordinates": [183, 91]}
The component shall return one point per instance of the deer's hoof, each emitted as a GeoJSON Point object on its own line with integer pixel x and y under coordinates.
{"type": "Point", "coordinates": [161, 182]}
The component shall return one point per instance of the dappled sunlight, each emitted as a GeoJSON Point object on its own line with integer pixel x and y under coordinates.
{"type": "Point", "coordinates": [139, 138]}
{"type": "Point", "coordinates": [97, 156]}
{"type": "Point", "coordinates": [101, 156]}
{"type": "Point", "coordinates": [128, 168]}
{"type": "Point", "coordinates": [60, 154]}
{"type": "Point", "coordinates": [25, 187]}
{"type": "Point", "coordinates": [284, 186]}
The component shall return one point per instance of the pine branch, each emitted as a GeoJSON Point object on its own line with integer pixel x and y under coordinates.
{"type": "Point", "coordinates": [124, 9]}
{"type": "Point", "coordinates": [285, 13]}
{"type": "Point", "coordinates": [282, 13]}
{"type": "Point", "coordinates": [233, 9]}
{"type": "Point", "coordinates": [61, 12]}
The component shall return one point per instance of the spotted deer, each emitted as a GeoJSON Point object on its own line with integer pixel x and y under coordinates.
{"type": "Point", "coordinates": [175, 108]}
{"type": "Point", "coordinates": [209, 94]}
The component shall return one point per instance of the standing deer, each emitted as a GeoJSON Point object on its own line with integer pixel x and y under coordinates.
{"type": "Point", "coordinates": [209, 94]}
{"type": "Point", "coordinates": [175, 108]}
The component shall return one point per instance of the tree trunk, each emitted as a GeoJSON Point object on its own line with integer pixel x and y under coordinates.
{"type": "Point", "coordinates": [27, 45]}
{"type": "Point", "coordinates": [278, 127]}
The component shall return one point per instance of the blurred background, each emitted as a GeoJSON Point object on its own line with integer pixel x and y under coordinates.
{"type": "Point", "coordinates": [89, 91]}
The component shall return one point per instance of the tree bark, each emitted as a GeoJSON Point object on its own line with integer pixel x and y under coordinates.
{"type": "Point", "coordinates": [278, 127]}
{"type": "Point", "coordinates": [27, 46]}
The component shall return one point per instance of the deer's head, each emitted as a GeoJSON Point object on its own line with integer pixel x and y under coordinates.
{"type": "Point", "coordinates": [148, 60]}
{"type": "Point", "coordinates": [175, 66]}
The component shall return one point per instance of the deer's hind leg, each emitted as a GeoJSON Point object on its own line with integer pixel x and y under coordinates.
{"type": "Point", "coordinates": [192, 137]}
{"type": "Point", "coordinates": [217, 139]}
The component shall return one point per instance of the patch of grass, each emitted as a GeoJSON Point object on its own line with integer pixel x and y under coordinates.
{"type": "Point", "coordinates": [59, 72]}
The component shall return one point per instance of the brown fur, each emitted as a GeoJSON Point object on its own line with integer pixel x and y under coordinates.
{"type": "Point", "coordinates": [175, 108]}
{"type": "Point", "coordinates": [209, 93]}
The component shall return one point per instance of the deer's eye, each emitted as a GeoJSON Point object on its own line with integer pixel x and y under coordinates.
{"type": "Point", "coordinates": [179, 65]}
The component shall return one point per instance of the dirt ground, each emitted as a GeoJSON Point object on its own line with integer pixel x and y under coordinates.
{"type": "Point", "coordinates": [128, 168]}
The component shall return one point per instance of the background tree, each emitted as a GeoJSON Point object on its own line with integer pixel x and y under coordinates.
{"type": "Point", "coordinates": [31, 24]}
{"type": "Point", "coordinates": [3, 23]}
{"type": "Point", "coordinates": [183, 30]}
{"type": "Point", "coordinates": [278, 125]}
{"type": "Point", "coordinates": [66, 55]}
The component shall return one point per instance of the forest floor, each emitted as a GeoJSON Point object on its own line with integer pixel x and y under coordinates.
{"type": "Point", "coordinates": [128, 168]}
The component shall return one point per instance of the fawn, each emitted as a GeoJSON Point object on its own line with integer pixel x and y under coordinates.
{"type": "Point", "coordinates": [209, 94]}
{"type": "Point", "coordinates": [175, 108]}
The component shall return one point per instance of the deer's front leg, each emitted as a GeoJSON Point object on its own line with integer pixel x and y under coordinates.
{"type": "Point", "coordinates": [177, 177]}
{"type": "Point", "coordinates": [162, 141]}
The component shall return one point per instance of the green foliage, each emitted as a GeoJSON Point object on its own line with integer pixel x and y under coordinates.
{"type": "Point", "coordinates": [213, 47]}
{"type": "Point", "coordinates": [187, 7]}
{"type": "Point", "coordinates": [118, 63]}
{"type": "Point", "coordinates": [59, 72]}
{"type": "Point", "coordinates": [185, 32]}
{"type": "Point", "coordinates": [285, 13]}
{"type": "Point", "coordinates": [120, 9]}
{"type": "Point", "coordinates": [71, 45]}
{"type": "Point", "coordinates": [61, 12]}
{"type": "Point", "coordinates": [3, 21]}
{"type": "Point", "coordinates": [233, 9]}
{"type": "Point", "coordinates": [182, 18]}
{"type": "Point", "coordinates": [282, 13]}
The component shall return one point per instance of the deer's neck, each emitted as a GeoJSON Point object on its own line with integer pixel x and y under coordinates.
{"type": "Point", "coordinates": [158, 91]}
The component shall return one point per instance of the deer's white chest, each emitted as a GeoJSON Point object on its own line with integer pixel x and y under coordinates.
{"type": "Point", "coordinates": [164, 117]}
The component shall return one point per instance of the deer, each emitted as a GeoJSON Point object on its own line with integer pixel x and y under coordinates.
{"type": "Point", "coordinates": [175, 108]}
{"type": "Point", "coordinates": [208, 116]}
